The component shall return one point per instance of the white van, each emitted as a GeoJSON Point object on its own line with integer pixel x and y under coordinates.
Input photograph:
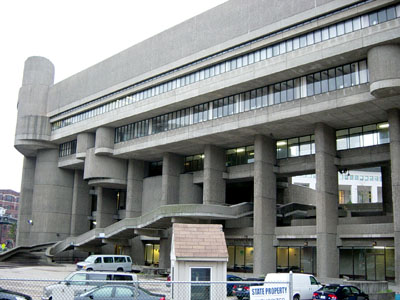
{"type": "Point", "coordinates": [119, 263]}
{"type": "Point", "coordinates": [79, 282]}
{"type": "Point", "coordinates": [304, 285]}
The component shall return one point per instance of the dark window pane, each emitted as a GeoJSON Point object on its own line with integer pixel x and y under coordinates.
{"type": "Point", "coordinates": [290, 91]}
{"type": "Point", "coordinates": [317, 83]}
{"type": "Point", "coordinates": [277, 93]}
{"type": "Point", "coordinates": [373, 19]}
{"type": "Point", "coordinates": [339, 77]}
{"type": "Point", "coordinates": [347, 75]}
{"type": "Point", "coordinates": [332, 79]}
{"type": "Point", "coordinates": [283, 92]}
{"type": "Point", "coordinates": [324, 81]}
{"type": "Point", "coordinates": [382, 17]}
{"type": "Point", "coordinates": [310, 85]}
{"type": "Point", "coordinates": [391, 13]}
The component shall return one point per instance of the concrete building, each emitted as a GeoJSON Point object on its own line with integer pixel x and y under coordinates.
{"type": "Point", "coordinates": [207, 122]}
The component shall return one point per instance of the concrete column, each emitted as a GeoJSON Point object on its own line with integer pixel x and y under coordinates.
{"type": "Point", "coordinates": [165, 251]}
{"type": "Point", "coordinates": [137, 251]}
{"type": "Point", "coordinates": [384, 70]}
{"type": "Point", "coordinates": [106, 207]}
{"type": "Point", "coordinates": [264, 205]}
{"type": "Point", "coordinates": [214, 185]}
{"type": "Point", "coordinates": [354, 194]}
{"type": "Point", "coordinates": [25, 204]}
{"type": "Point", "coordinates": [326, 202]}
{"type": "Point", "coordinates": [394, 130]}
{"type": "Point", "coordinates": [134, 188]}
{"type": "Point", "coordinates": [171, 170]}
{"type": "Point", "coordinates": [52, 199]}
{"type": "Point", "coordinates": [387, 189]}
{"type": "Point", "coordinates": [81, 202]}
{"type": "Point", "coordinates": [104, 143]}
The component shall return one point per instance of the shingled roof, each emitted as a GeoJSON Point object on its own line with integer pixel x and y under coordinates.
{"type": "Point", "coordinates": [199, 241]}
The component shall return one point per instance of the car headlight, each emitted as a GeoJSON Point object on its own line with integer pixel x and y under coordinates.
{"type": "Point", "coordinates": [84, 267]}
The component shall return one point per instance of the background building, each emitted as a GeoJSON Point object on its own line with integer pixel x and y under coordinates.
{"type": "Point", "coordinates": [208, 122]}
{"type": "Point", "coordinates": [9, 204]}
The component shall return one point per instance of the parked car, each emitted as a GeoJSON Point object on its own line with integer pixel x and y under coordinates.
{"type": "Point", "coordinates": [304, 285]}
{"type": "Point", "coordinates": [242, 290]}
{"type": "Point", "coordinates": [229, 286]}
{"type": "Point", "coordinates": [11, 295]}
{"type": "Point", "coordinates": [79, 282]}
{"type": "Point", "coordinates": [119, 263]}
{"type": "Point", "coordinates": [339, 292]}
{"type": "Point", "coordinates": [120, 292]}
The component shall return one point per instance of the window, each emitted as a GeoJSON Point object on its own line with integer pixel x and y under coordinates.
{"type": "Point", "coordinates": [108, 260]}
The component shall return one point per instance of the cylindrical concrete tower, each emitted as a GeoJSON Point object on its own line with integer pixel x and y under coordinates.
{"type": "Point", "coordinates": [33, 126]}
{"type": "Point", "coordinates": [384, 70]}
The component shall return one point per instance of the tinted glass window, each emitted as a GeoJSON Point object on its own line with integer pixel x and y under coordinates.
{"type": "Point", "coordinates": [99, 277]}
{"type": "Point", "coordinates": [329, 288]}
{"type": "Point", "coordinates": [119, 259]}
{"type": "Point", "coordinates": [102, 292]}
{"type": "Point", "coordinates": [108, 259]}
{"type": "Point", "coordinates": [123, 292]}
{"type": "Point", "coordinates": [123, 277]}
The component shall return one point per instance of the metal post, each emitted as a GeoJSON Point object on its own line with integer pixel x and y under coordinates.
{"type": "Point", "coordinates": [290, 285]}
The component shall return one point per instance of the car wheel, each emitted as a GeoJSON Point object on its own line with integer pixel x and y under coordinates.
{"type": "Point", "coordinates": [120, 270]}
{"type": "Point", "coordinates": [296, 297]}
{"type": "Point", "coordinates": [90, 269]}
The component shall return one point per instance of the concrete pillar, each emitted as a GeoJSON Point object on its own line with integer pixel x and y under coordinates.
{"type": "Point", "coordinates": [165, 251]}
{"type": "Point", "coordinates": [52, 199]}
{"type": "Point", "coordinates": [104, 143]}
{"type": "Point", "coordinates": [137, 251]}
{"type": "Point", "coordinates": [214, 185]}
{"type": "Point", "coordinates": [134, 188]}
{"type": "Point", "coordinates": [25, 204]}
{"type": "Point", "coordinates": [189, 193]}
{"type": "Point", "coordinates": [171, 170]}
{"type": "Point", "coordinates": [354, 194]}
{"type": "Point", "coordinates": [264, 205]}
{"type": "Point", "coordinates": [81, 202]}
{"type": "Point", "coordinates": [387, 189]}
{"type": "Point", "coordinates": [106, 207]}
{"type": "Point", "coordinates": [384, 70]}
{"type": "Point", "coordinates": [394, 131]}
{"type": "Point", "coordinates": [84, 141]}
{"type": "Point", "coordinates": [326, 202]}
{"type": "Point", "coordinates": [33, 129]}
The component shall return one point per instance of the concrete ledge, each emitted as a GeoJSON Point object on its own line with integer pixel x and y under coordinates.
{"type": "Point", "coordinates": [385, 88]}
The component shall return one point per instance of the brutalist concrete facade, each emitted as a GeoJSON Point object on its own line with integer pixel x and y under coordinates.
{"type": "Point", "coordinates": [110, 144]}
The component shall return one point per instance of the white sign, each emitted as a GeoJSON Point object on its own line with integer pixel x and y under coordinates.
{"type": "Point", "coordinates": [270, 291]}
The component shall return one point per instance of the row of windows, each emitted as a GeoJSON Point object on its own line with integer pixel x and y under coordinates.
{"type": "Point", "coordinates": [269, 95]}
{"type": "Point", "coordinates": [283, 47]}
{"type": "Point", "coordinates": [215, 55]}
{"type": "Point", "coordinates": [362, 136]}
{"type": "Point", "coordinates": [356, 137]}
{"type": "Point", "coordinates": [9, 198]}
{"type": "Point", "coordinates": [194, 163]}
{"type": "Point", "coordinates": [67, 148]}
{"type": "Point", "coordinates": [360, 177]}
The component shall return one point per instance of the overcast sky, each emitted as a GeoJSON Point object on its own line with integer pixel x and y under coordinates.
{"type": "Point", "coordinates": [73, 35]}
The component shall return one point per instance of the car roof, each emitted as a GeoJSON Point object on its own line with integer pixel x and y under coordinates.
{"type": "Point", "coordinates": [102, 272]}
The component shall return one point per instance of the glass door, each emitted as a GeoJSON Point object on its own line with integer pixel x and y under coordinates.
{"type": "Point", "coordinates": [375, 266]}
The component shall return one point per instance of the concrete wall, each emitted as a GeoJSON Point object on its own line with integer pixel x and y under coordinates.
{"type": "Point", "coordinates": [25, 204]}
{"type": "Point", "coordinates": [52, 199]}
{"type": "Point", "coordinates": [151, 193]}
{"type": "Point", "coordinates": [97, 166]}
{"type": "Point", "coordinates": [189, 193]}
{"type": "Point", "coordinates": [227, 22]}
{"type": "Point", "coordinates": [81, 205]}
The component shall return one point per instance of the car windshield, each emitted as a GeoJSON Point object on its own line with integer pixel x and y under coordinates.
{"type": "Point", "coordinates": [90, 259]}
{"type": "Point", "coordinates": [329, 288]}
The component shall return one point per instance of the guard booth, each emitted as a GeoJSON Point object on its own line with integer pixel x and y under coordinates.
{"type": "Point", "coordinates": [199, 259]}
